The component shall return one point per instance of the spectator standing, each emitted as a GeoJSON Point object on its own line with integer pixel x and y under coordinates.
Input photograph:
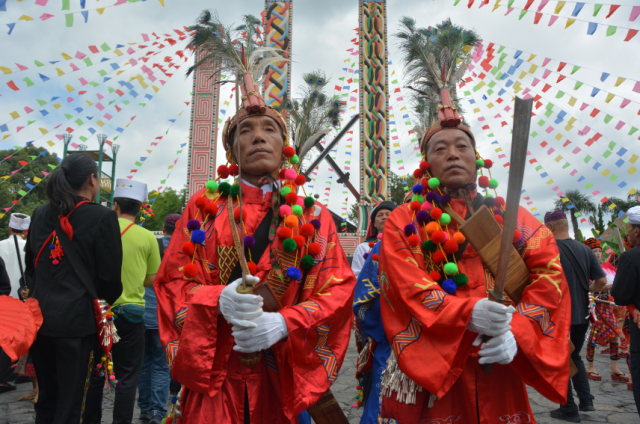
{"type": "Point", "coordinates": [378, 217]}
{"type": "Point", "coordinates": [626, 292]}
{"type": "Point", "coordinates": [141, 260]}
{"type": "Point", "coordinates": [155, 377]}
{"type": "Point", "coordinates": [12, 251]}
{"type": "Point", "coordinates": [6, 372]}
{"type": "Point", "coordinates": [67, 337]}
{"type": "Point", "coordinates": [580, 265]}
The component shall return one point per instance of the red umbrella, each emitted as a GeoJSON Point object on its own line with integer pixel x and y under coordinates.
{"type": "Point", "coordinates": [19, 324]}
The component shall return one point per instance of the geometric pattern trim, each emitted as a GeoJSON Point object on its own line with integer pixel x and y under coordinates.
{"type": "Point", "coordinates": [277, 22]}
{"type": "Point", "coordinates": [539, 314]}
{"type": "Point", "coordinates": [407, 336]}
{"type": "Point", "coordinates": [227, 260]}
{"type": "Point", "coordinates": [180, 317]}
{"type": "Point", "coordinates": [434, 299]}
{"type": "Point", "coordinates": [171, 350]}
{"type": "Point", "coordinates": [327, 357]}
{"type": "Point", "coordinates": [270, 360]}
{"type": "Point", "coordinates": [310, 306]}
{"type": "Point", "coordinates": [286, 260]}
{"type": "Point", "coordinates": [194, 288]}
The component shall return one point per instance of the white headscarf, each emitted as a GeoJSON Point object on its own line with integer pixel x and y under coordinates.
{"type": "Point", "coordinates": [634, 215]}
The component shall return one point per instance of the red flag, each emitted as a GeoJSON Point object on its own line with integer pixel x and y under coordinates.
{"type": "Point", "coordinates": [337, 87]}
{"type": "Point", "coordinates": [594, 112]}
{"type": "Point", "coordinates": [94, 49]}
{"type": "Point", "coordinates": [632, 33]}
{"type": "Point", "coordinates": [12, 85]}
{"type": "Point", "coordinates": [560, 78]}
{"type": "Point", "coordinates": [561, 66]}
{"type": "Point", "coordinates": [612, 9]}
{"type": "Point", "coordinates": [537, 18]}
{"type": "Point", "coordinates": [528, 5]}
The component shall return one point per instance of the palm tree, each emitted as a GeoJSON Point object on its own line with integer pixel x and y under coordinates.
{"type": "Point", "coordinates": [621, 204]}
{"type": "Point", "coordinates": [582, 203]}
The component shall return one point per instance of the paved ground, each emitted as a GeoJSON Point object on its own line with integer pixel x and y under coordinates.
{"type": "Point", "coordinates": [613, 403]}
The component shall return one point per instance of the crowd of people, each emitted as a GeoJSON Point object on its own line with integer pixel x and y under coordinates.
{"type": "Point", "coordinates": [248, 300]}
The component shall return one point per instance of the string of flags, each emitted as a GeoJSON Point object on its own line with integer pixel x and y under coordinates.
{"type": "Point", "coordinates": [570, 20]}
{"type": "Point", "coordinates": [178, 153]}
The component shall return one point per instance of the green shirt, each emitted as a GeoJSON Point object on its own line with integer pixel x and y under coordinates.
{"type": "Point", "coordinates": [140, 257]}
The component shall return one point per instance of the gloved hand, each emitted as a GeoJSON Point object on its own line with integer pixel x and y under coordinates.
{"type": "Point", "coordinates": [238, 309]}
{"type": "Point", "coordinates": [501, 349]}
{"type": "Point", "coordinates": [270, 329]}
{"type": "Point", "coordinates": [490, 318]}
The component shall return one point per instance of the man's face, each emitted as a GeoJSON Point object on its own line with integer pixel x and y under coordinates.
{"type": "Point", "coordinates": [381, 218]}
{"type": "Point", "coordinates": [260, 145]}
{"type": "Point", "coordinates": [452, 158]}
{"type": "Point", "coordinates": [598, 252]}
{"type": "Point", "coordinates": [634, 235]}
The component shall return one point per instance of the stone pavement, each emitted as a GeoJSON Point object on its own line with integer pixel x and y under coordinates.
{"type": "Point", "coordinates": [613, 402]}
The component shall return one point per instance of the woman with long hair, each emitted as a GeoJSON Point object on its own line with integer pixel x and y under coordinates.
{"type": "Point", "coordinates": [67, 280]}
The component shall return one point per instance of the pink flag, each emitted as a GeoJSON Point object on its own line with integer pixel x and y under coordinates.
{"type": "Point", "coordinates": [576, 150]}
{"type": "Point", "coordinates": [584, 106]}
{"type": "Point", "coordinates": [99, 106]}
{"type": "Point", "coordinates": [74, 67]}
{"type": "Point", "coordinates": [636, 87]}
{"type": "Point", "coordinates": [133, 62]}
{"type": "Point", "coordinates": [28, 109]}
{"type": "Point", "coordinates": [155, 143]}
{"type": "Point", "coordinates": [21, 67]}
{"type": "Point", "coordinates": [45, 16]}
{"type": "Point", "coordinates": [80, 55]}
{"type": "Point", "coordinates": [543, 3]}
{"type": "Point", "coordinates": [128, 176]}
{"type": "Point", "coordinates": [481, 118]}
{"type": "Point", "coordinates": [546, 60]}
{"type": "Point", "coordinates": [549, 130]}
{"type": "Point", "coordinates": [585, 130]}
{"type": "Point", "coordinates": [145, 37]}
{"type": "Point", "coordinates": [509, 11]}
{"type": "Point", "coordinates": [107, 116]}
{"type": "Point", "coordinates": [130, 50]}
{"type": "Point", "coordinates": [74, 145]}
{"type": "Point", "coordinates": [620, 125]}
{"type": "Point", "coordinates": [535, 81]}
{"type": "Point", "coordinates": [41, 2]}
{"type": "Point", "coordinates": [546, 73]}
{"type": "Point", "coordinates": [595, 193]}
{"type": "Point", "coordinates": [19, 128]}
{"type": "Point", "coordinates": [45, 173]}
{"type": "Point", "coordinates": [100, 96]}
{"type": "Point", "coordinates": [624, 103]}
{"type": "Point", "coordinates": [635, 11]}
{"type": "Point", "coordinates": [83, 81]}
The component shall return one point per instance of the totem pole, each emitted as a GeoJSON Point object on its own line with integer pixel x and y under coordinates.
{"type": "Point", "coordinates": [204, 126]}
{"type": "Point", "coordinates": [277, 26]}
{"type": "Point", "coordinates": [374, 128]}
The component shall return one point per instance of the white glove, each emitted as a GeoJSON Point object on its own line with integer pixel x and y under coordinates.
{"type": "Point", "coordinates": [270, 329]}
{"type": "Point", "coordinates": [490, 318]}
{"type": "Point", "coordinates": [501, 349]}
{"type": "Point", "coordinates": [238, 309]}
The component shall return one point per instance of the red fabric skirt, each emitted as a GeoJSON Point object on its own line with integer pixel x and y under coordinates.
{"type": "Point", "coordinates": [606, 328]}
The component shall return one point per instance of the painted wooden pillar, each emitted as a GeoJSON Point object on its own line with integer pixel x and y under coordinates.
{"type": "Point", "coordinates": [277, 24]}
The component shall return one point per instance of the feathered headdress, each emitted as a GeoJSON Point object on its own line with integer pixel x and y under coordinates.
{"type": "Point", "coordinates": [593, 243]}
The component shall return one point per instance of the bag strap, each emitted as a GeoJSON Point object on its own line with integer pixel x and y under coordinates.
{"type": "Point", "coordinates": [160, 247]}
{"type": "Point", "coordinates": [574, 263]}
{"type": "Point", "coordinates": [74, 260]}
{"type": "Point", "coordinates": [24, 282]}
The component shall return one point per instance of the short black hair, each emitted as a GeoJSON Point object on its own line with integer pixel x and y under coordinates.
{"type": "Point", "coordinates": [128, 206]}
{"type": "Point", "coordinates": [169, 229]}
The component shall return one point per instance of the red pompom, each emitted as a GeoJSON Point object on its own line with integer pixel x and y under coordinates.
{"type": "Point", "coordinates": [210, 209]}
{"type": "Point", "coordinates": [436, 213]}
{"type": "Point", "coordinates": [499, 219]}
{"type": "Point", "coordinates": [236, 215]}
{"type": "Point", "coordinates": [483, 182]}
{"type": "Point", "coordinates": [371, 244]}
{"type": "Point", "coordinates": [450, 247]}
{"type": "Point", "coordinates": [375, 257]}
{"type": "Point", "coordinates": [415, 206]}
{"type": "Point", "coordinates": [500, 202]}
{"type": "Point", "coordinates": [488, 163]}
{"type": "Point", "coordinates": [413, 240]}
{"type": "Point", "coordinates": [188, 248]}
{"type": "Point", "coordinates": [223, 171]}
{"type": "Point", "coordinates": [314, 249]}
{"type": "Point", "coordinates": [288, 152]}
{"type": "Point", "coordinates": [284, 233]}
{"type": "Point", "coordinates": [169, 420]}
{"type": "Point", "coordinates": [291, 198]}
{"type": "Point", "coordinates": [439, 237]}
{"type": "Point", "coordinates": [438, 257]}
{"type": "Point", "coordinates": [516, 236]}
{"type": "Point", "coordinates": [233, 169]}
{"type": "Point", "coordinates": [253, 268]}
{"type": "Point", "coordinates": [425, 185]}
{"type": "Point", "coordinates": [435, 275]}
{"type": "Point", "coordinates": [300, 180]}
{"type": "Point", "coordinates": [307, 230]}
{"type": "Point", "coordinates": [201, 202]}
{"type": "Point", "coordinates": [282, 171]}
{"type": "Point", "coordinates": [153, 214]}
{"type": "Point", "coordinates": [418, 173]}
{"type": "Point", "coordinates": [190, 270]}
{"type": "Point", "coordinates": [424, 165]}
{"type": "Point", "coordinates": [300, 241]}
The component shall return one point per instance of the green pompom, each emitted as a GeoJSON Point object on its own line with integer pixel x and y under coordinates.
{"type": "Point", "coordinates": [418, 197]}
{"type": "Point", "coordinates": [445, 219]}
{"type": "Point", "coordinates": [296, 210]}
{"type": "Point", "coordinates": [489, 195]}
{"type": "Point", "coordinates": [434, 182]}
{"type": "Point", "coordinates": [211, 186]}
{"type": "Point", "coordinates": [493, 183]}
{"type": "Point", "coordinates": [284, 191]}
{"type": "Point", "coordinates": [307, 262]}
{"type": "Point", "coordinates": [460, 279]}
{"type": "Point", "coordinates": [309, 201]}
{"type": "Point", "coordinates": [234, 191]}
{"type": "Point", "coordinates": [289, 245]}
{"type": "Point", "coordinates": [450, 268]}
{"type": "Point", "coordinates": [480, 163]}
{"type": "Point", "coordinates": [294, 159]}
{"type": "Point", "coordinates": [224, 188]}
{"type": "Point", "coordinates": [429, 246]}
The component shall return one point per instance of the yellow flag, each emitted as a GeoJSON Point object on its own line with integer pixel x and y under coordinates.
{"type": "Point", "coordinates": [170, 167]}
{"type": "Point", "coordinates": [619, 81]}
{"type": "Point", "coordinates": [347, 60]}
{"type": "Point", "coordinates": [497, 5]}
{"type": "Point", "coordinates": [6, 136]}
{"type": "Point", "coordinates": [609, 97]}
{"type": "Point", "coordinates": [60, 72]}
{"type": "Point", "coordinates": [632, 170]}
{"type": "Point", "coordinates": [100, 123]}
{"type": "Point", "coordinates": [490, 105]}
{"type": "Point", "coordinates": [558, 159]}
{"type": "Point", "coordinates": [36, 179]}
{"type": "Point", "coordinates": [149, 151]}
{"type": "Point", "coordinates": [156, 89]}
{"type": "Point", "coordinates": [120, 71]}
{"type": "Point", "coordinates": [612, 206]}
{"type": "Point", "coordinates": [118, 52]}
{"type": "Point", "coordinates": [143, 84]}
{"type": "Point", "coordinates": [5, 177]}
{"type": "Point", "coordinates": [66, 56]}
{"type": "Point", "coordinates": [403, 108]}
{"type": "Point", "coordinates": [51, 143]}
{"type": "Point", "coordinates": [89, 103]}
{"type": "Point", "coordinates": [559, 137]}
{"type": "Point", "coordinates": [606, 172]}
{"type": "Point", "coordinates": [569, 23]}
{"type": "Point", "coordinates": [100, 11]}
{"type": "Point", "coordinates": [633, 159]}
{"type": "Point", "coordinates": [57, 105]}
{"type": "Point", "coordinates": [572, 101]}
{"type": "Point", "coordinates": [559, 7]}
{"type": "Point", "coordinates": [69, 88]}
{"type": "Point", "coordinates": [499, 149]}
{"type": "Point", "coordinates": [25, 18]}
{"type": "Point", "coordinates": [533, 68]}
{"type": "Point", "coordinates": [14, 115]}
{"type": "Point", "coordinates": [531, 57]}
{"type": "Point", "coordinates": [161, 2]}
{"type": "Point", "coordinates": [6, 70]}
{"type": "Point", "coordinates": [565, 200]}
{"type": "Point", "coordinates": [43, 131]}
{"type": "Point", "coordinates": [393, 73]}
{"type": "Point", "coordinates": [476, 110]}
{"type": "Point", "coordinates": [633, 191]}
{"type": "Point", "coordinates": [549, 182]}
{"type": "Point", "coordinates": [522, 74]}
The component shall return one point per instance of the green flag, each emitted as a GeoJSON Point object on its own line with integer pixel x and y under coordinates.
{"type": "Point", "coordinates": [22, 192]}
{"type": "Point", "coordinates": [69, 19]}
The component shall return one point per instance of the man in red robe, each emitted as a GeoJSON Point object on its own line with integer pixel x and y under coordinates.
{"type": "Point", "coordinates": [205, 325]}
{"type": "Point", "coordinates": [434, 316]}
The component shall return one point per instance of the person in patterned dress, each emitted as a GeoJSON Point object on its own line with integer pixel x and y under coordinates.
{"type": "Point", "coordinates": [605, 330]}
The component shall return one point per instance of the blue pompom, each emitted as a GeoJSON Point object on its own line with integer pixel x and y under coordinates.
{"type": "Point", "coordinates": [52, 246]}
{"type": "Point", "coordinates": [422, 217]}
{"type": "Point", "coordinates": [489, 202]}
{"type": "Point", "coordinates": [198, 236]}
{"type": "Point", "coordinates": [294, 273]}
{"type": "Point", "coordinates": [174, 399]}
{"type": "Point", "coordinates": [409, 229]}
{"type": "Point", "coordinates": [417, 189]}
{"type": "Point", "coordinates": [449, 286]}
{"type": "Point", "coordinates": [193, 224]}
{"type": "Point", "coordinates": [432, 197]}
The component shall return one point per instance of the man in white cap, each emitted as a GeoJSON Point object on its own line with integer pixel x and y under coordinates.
{"type": "Point", "coordinates": [626, 292]}
{"type": "Point", "coordinates": [140, 262]}
{"type": "Point", "coordinates": [12, 251]}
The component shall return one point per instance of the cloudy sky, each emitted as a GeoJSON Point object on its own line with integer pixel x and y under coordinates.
{"type": "Point", "coordinates": [321, 40]}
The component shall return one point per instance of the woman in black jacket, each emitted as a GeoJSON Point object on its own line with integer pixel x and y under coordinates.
{"type": "Point", "coordinates": [62, 349]}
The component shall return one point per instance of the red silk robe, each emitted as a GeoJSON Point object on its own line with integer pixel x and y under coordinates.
{"type": "Point", "coordinates": [427, 328]}
{"type": "Point", "coordinates": [296, 371]}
